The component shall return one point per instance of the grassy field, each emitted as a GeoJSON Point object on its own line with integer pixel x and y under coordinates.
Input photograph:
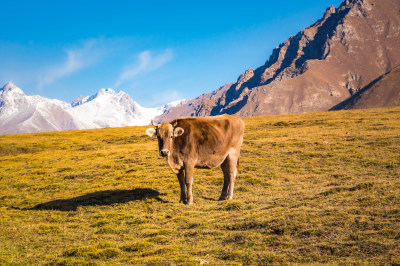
{"type": "Point", "coordinates": [312, 188]}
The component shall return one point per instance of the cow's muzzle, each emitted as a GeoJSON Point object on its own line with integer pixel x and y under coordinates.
{"type": "Point", "coordinates": [164, 152]}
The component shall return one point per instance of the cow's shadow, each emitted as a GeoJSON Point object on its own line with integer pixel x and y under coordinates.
{"type": "Point", "coordinates": [107, 197]}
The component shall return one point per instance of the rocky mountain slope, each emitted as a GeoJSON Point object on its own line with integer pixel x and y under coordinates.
{"type": "Point", "coordinates": [314, 70]}
{"type": "Point", "coordinates": [382, 92]}
{"type": "Point", "coordinates": [20, 113]}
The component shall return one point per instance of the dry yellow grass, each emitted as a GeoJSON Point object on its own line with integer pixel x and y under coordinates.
{"type": "Point", "coordinates": [316, 187]}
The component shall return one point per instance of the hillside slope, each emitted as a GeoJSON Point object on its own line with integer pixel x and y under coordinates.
{"type": "Point", "coordinates": [382, 92]}
{"type": "Point", "coordinates": [314, 188]}
{"type": "Point", "coordinates": [321, 66]}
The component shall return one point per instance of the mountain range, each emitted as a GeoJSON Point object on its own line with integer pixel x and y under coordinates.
{"type": "Point", "coordinates": [20, 113]}
{"type": "Point", "coordinates": [316, 69]}
{"type": "Point", "coordinates": [350, 58]}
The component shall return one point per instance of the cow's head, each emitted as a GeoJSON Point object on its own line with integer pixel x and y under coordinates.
{"type": "Point", "coordinates": [165, 133]}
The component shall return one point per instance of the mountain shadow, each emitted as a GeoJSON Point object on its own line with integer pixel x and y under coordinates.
{"type": "Point", "coordinates": [107, 197]}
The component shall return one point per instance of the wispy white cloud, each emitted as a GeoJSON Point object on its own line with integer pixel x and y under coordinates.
{"type": "Point", "coordinates": [164, 97]}
{"type": "Point", "coordinates": [88, 54]}
{"type": "Point", "coordinates": [146, 62]}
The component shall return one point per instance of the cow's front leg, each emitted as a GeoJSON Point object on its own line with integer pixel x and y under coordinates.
{"type": "Point", "coordinates": [181, 178]}
{"type": "Point", "coordinates": [189, 169]}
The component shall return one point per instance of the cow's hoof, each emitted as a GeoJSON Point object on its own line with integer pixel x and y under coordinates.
{"type": "Point", "coordinates": [224, 198]}
{"type": "Point", "coordinates": [189, 203]}
{"type": "Point", "coordinates": [183, 201]}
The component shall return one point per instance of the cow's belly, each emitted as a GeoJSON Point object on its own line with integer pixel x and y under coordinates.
{"type": "Point", "coordinates": [210, 162]}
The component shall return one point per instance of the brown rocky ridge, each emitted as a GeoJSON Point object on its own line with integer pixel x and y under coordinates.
{"type": "Point", "coordinates": [314, 70]}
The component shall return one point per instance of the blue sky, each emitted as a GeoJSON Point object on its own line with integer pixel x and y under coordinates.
{"type": "Point", "coordinates": [156, 51]}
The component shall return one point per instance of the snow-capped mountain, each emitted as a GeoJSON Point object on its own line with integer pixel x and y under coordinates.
{"type": "Point", "coordinates": [20, 113]}
{"type": "Point", "coordinates": [108, 108]}
{"type": "Point", "coordinates": [13, 99]}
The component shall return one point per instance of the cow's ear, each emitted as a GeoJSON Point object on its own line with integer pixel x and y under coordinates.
{"type": "Point", "coordinates": [151, 132]}
{"type": "Point", "coordinates": [178, 132]}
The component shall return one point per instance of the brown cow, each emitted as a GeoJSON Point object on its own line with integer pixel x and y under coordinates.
{"type": "Point", "coordinates": [203, 142]}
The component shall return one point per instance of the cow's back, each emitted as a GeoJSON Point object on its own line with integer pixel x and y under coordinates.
{"type": "Point", "coordinates": [208, 140]}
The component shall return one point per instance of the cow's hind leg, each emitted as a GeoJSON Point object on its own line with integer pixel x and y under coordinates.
{"type": "Point", "coordinates": [229, 168]}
